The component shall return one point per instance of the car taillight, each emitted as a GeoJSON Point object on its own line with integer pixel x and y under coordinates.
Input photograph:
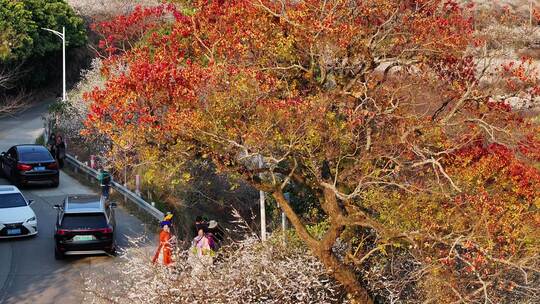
{"type": "Point", "coordinates": [23, 167]}
{"type": "Point", "coordinates": [52, 166]}
{"type": "Point", "coordinates": [61, 232]}
{"type": "Point", "coordinates": [105, 230]}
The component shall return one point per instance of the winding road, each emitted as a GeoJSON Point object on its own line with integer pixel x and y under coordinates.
{"type": "Point", "coordinates": [28, 271]}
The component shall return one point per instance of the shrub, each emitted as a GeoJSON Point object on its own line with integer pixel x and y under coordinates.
{"type": "Point", "coordinates": [246, 272]}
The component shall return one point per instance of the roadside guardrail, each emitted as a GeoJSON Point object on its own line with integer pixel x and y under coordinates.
{"type": "Point", "coordinates": [128, 194]}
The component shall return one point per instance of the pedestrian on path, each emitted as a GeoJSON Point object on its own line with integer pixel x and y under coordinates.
{"type": "Point", "coordinates": [201, 255]}
{"type": "Point", "coordinates": [202, 244]}
{"type": "Point", "coordinates": [105, 180]}
{"type": "Point", "coordinates": [214, 235]}
{"type": "Point", "coordinates": [51, 144]}
{"type": "Point", "coordinates": [60, 150]}
{"type": "Point", "coordinates": [164, 249]}
{"type": "Point", "coordinates": [200, 223]}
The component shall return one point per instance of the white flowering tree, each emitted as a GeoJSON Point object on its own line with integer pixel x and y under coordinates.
{"type": "Point", "coordinates": [245, 272]}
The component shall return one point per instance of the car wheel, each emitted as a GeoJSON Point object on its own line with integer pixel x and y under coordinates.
{"type": "Point", "coordinates": [112, 252]}
{"type": "Point", "coordinates": [58, 255]}
{"type": "Point", "coordinates": [55, 184]}
{"type": "Point", "coordinates": [20, 183]}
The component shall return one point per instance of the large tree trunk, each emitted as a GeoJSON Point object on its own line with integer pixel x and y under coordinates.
{"type": "Point", "coordinates": [345, 276]}
{"type": "Point", "coordinates": [323, 251]}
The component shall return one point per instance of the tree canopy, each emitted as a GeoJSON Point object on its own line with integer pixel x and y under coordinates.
{"type": "Point", "coordinates": [15, 23]}
{"type": "Point", "coordinates": [385, 111]}
{"type": "Point", "coordinates": [20, 28]}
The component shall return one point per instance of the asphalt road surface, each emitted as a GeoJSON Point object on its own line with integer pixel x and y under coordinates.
{"type": "Point", "coordinates": [29, 272]}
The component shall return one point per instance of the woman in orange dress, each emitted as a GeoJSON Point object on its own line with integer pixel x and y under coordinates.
{"type": "Point", "coordinates": [164, 249]}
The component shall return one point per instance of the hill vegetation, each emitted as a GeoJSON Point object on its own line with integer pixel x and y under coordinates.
{"type": "Point", "coordinates": [29, 55]}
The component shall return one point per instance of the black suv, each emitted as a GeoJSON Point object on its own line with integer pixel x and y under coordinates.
{"type": "Point", "coordinates": [29, 163]}
{"type": "Point", "coordinates": [85, 225]}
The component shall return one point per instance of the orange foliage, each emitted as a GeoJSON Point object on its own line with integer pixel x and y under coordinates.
{"type": "Point", "coordinates": [332, 95]}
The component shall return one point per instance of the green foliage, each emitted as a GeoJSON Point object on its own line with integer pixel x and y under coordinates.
{"type": "Point", "coordinates": [58, 107]}
{"type": "Point", "coordinates": [21, 24]}
{"type": "Point", "coordinates": [16, 26]}
{"type": "Point", "coordinates": [318, 230]}
{"type": "Point", "coordinates": [54, 14]}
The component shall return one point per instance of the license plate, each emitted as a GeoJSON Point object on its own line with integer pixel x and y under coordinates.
{"type": "Point", "coordinates": [13, 231]}
{"type": "Point", "coordinates": [83, 238]}
{"type": "Point", "coordinates": [39, 168]}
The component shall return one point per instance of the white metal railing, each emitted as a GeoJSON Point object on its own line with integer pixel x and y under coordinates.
{"type": "Point", "coordinates": [128, 194]}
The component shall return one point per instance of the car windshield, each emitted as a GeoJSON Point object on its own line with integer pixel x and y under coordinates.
{"type": "Point", "coordinates": [84, 221]}
{"type": "Point", "coordinates": [12, 200]}
{"type": "Point", "coordinates": [35, 156]}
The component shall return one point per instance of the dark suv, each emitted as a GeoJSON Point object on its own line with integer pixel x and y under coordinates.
{"type": "Point", "coordinates": [85, 225]}
{"type": "Point", "coordinates": [29, 163]}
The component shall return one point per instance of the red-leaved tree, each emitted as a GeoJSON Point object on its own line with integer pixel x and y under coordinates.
{"type": "Point", "coordinates": [382, 110]}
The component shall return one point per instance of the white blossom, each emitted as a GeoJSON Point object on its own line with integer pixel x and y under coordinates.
{"type": "Point", "coordinates": [246, 272]}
